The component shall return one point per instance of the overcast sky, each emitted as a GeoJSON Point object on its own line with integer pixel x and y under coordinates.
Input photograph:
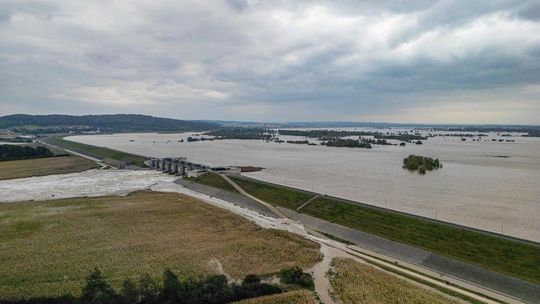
{"type": "Point", "coordinates": [392, 61]}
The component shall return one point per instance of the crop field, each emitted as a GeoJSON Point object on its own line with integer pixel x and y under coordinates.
{"type": "Point", "coordinates": [354, 282]}
{"type": "Point", "coordinates": [98, 152]}
{"type": "Point", "coordinates": [291, 297]}
{"type": "Point", "coordinates": [514, 258]}
{"type": "Point", "coordinates": [273, 194]}
{"type": "Point", "coordinates": [213, 180]}
{"type": "Point", "coordinates": [43, 166]}
{"type": "Point", "coordinates": [47, 248]}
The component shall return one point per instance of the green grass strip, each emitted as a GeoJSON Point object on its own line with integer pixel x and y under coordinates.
{"type": "Point", "coordinates": [213, 180]}
{"type": "Point", "coordinates": [96, 151]}
{"type": "Point", "coordinates": [275, 195]}
{"type": "Point", "coordinates": [514, 258]}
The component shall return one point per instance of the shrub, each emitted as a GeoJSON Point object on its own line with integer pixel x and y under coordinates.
{"type": "Point", "coordinates": [148, 289]}
{"type": "Point", "coordinates": [129, 292]}
{"type": "Point", "coordinates": [97, 290]}
{"type": "Point", "coordinates": [251, 278]}
{"type": "Point", "coordinates": [171, 287]}
{"type": "Point", "coordinates": [294, 275]}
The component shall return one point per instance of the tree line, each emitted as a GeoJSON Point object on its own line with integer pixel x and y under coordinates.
{"type": "Point", "coordinates": [213, 289]}
{"type": "Point", "coordinates": [16, 152]}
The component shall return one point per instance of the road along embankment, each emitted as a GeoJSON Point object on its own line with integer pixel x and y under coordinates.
{"type": "Point", "coordinates": [396, 253]}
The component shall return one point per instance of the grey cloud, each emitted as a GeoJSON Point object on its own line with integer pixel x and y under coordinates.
{"type": "Point", "coordinates": [328, 60]}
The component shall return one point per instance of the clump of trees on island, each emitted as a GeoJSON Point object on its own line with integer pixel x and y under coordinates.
{"type": "Point", "coordinates": [421, 163]}
{"type": "Point", "coordinates": [298, 142]}
{"type": "Point", "coordinates": [214, 289]}
{"type": "Point", "coordinates": [349, 143]}
{"type": "Point", "coordinates": [15, 152]}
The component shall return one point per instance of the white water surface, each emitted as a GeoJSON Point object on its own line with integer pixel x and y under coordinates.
{"type": "Point", "coordinates": [88, 183]}
{"type": "Point", "coordinates": [476, 187]}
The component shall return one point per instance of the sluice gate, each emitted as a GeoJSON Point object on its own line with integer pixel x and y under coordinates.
{"type": "Point", "coordinates": [182, 167]}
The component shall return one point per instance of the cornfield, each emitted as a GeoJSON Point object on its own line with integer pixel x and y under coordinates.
{"type": "Point", "coordinates": [291, 297]}
{"type": "Point", "coordinates": [354, 282]}
{"type": "Point", "coordinates": [47, 248]}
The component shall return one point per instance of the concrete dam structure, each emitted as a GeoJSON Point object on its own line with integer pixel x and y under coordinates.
{"type": "Point", "coordinates": [182, 167]}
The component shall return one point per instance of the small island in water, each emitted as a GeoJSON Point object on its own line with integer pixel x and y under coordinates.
{"type": "Point", "coordinates": [421, 163]}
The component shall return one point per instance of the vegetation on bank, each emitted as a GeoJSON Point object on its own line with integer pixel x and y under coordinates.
{"type": "Point", "coordinates": [114, 157]}
{"type": "Point", "coordinates": [354, 282]}
{"type": "Point", "coordinates": [44, 166]}
{"type": "Point", "coordinates": [17, 152]}
{"type": "Point", "coordinates": [48, 247]}
{"type": "Point", "coordinates": [213, 180]}
{"type": "Point", "coordinates": [518, 259]}
{"type": "Point", "coordinates": [421, 163]}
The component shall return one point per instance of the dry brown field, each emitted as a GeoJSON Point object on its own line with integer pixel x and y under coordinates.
{"type": "Point", "coordinates": [291, 297]}
{"type": "Point", "coordinates": [47, 248]}
{"type": "Point", "coordinates": [354, 282]}
{"type": "Point", "coordinates": [43, 166]}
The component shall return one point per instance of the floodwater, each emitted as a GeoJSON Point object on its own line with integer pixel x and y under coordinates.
{"type": "Point", "coordinates": [488, 185]}
{"type": "Point", "coordinates": [88, 183]}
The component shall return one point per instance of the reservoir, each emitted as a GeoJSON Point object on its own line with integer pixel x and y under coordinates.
{"type": "Point", "coordinates": [490, 185]}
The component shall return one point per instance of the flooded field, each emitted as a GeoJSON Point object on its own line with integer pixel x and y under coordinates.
{"type": "Point", "coordinates": [484, 184]}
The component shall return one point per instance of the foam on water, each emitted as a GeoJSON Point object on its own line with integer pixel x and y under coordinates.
{"type": "Point", "coordinates": [88, 183]}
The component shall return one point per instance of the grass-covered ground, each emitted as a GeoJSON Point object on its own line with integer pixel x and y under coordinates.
{"type": "Point", "coordinates": [111, 155]}
{"type": "Point", "coordinates": [498, 254]}
{"type": "Point", "coordinates": [514, 258]}
{"type": "Point", "coordinates": [213, 180]}
{"type": "Point", "coordinates": [291, 297]}
{"type": "Point", "coordinates": [353, 282]}
{"type": "Point", "coordinates": [43, 166]}
{"type": "Point", "coordinates": [47, 248]}
{"type": "Point", "coordinates": [273, 194]}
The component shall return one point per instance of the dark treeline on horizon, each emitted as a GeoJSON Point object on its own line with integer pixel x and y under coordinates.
{"type": "Point", "coordinates": [104, 123]}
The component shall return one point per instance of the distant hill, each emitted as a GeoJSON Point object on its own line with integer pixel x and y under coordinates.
{"type": "Point", "coordinates": [103, 123]}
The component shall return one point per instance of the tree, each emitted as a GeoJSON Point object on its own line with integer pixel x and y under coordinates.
{"type": "Point", "coordinates": [148, 289]}
{"type": "Point", "coordinates": [171, 287]}
{"type": "Point", "coordinates": [129, 293]}
{"type": "Point", "coordinates": [251, 278]}
{"type": "Point", "coordinates": [97, 290]}
{"type": "Point", "coordinates": [290, 275]}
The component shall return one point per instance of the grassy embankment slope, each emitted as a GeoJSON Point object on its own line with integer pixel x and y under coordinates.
{"type": "Point", "coordinates": [291, 297]}
{"type": "Point", "coordinates": [43, 166]}
{"type": "Point", "coordinates": [49, 247]}
{"type": "Point", "coordinates": [108, 155]}
{"type": "Point", "coordinates": [514, 258]}
{"type": "Point", "coordinates": [213, 180]}
{"type": "Point", "coordinates": [354, 282]}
